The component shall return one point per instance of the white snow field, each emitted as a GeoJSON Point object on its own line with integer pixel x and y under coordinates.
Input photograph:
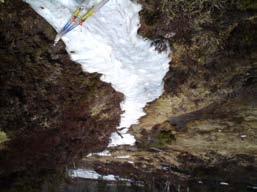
{"type": "Point", "coordinates": [108, 44]}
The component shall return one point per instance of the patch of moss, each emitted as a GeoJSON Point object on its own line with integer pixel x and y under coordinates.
{"type": "Point", "coordinates": [163, 139]}
{"type": "Point", "coordinates": [3, 137]}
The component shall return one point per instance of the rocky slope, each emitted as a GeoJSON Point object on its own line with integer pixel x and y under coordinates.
{"type": "Point", "coordinates": [51, 111]}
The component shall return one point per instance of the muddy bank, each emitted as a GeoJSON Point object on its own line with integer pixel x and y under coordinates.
{"type": "Point", "coordinates": [51, 111]}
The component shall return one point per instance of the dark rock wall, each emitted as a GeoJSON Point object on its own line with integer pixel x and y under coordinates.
{"type": "Point", "coordinates": [51, 110]}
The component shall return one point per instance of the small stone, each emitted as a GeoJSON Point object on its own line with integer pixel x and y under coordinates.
{"type": "Point", "coordinates": [224, 183]}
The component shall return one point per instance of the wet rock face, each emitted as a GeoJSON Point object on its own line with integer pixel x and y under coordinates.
{"type": "Point", "coordinates": [51, 110]}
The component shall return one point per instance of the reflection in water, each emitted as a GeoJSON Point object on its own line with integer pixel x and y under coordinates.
{"type": "Point", "coordinates": [164, 186]}
{"type": "Point", "coordinates": [39, 162]}
{"type": "Point", "coordinates": [101, 186]}
{"type": "Point", "coordinates": [50, 181]}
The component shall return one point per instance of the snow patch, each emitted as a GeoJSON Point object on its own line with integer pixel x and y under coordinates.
{"type": "Point", "coordinates": [104, 153]}
{"type": "Point", "coordinates": [108, 44]}
{"type": "Point", "coordinates": [123, 157]}
{"type": "Point", "coordinates": [90, 174]}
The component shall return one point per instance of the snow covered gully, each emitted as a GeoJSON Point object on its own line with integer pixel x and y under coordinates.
{"type": "Point", "coordinates": [108, 44]}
